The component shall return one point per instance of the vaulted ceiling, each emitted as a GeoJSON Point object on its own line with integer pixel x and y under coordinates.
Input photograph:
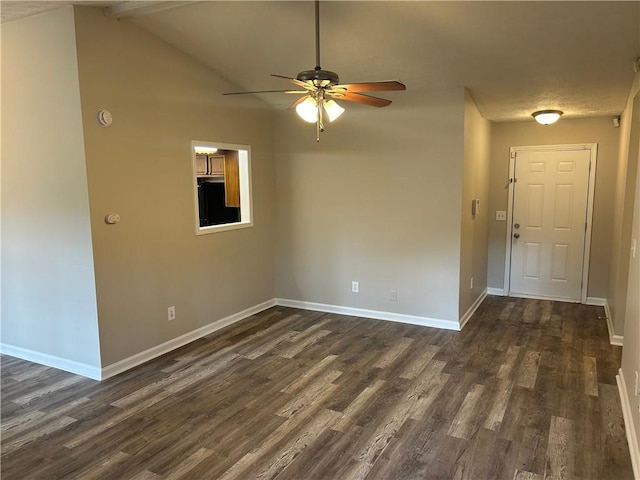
{"type": "Point", "coordinates": [514, 57]}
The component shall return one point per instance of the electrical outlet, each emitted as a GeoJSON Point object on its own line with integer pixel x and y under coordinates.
{"type": "Point", "coordinates": [394, 295]}
{"type": "Point", "coordinates": [171, 313]}
{"type": "Point", "coordinates": [355, 287]}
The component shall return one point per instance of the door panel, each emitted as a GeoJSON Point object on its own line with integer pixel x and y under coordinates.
{"type": "Point", "coordinates": [535, 206]}
{"type": "Point", "coordinates": [532, 260]}
{"type": "Point", "coordinates": [549, 218]}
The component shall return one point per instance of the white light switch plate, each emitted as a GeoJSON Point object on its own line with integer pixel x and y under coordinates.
{"type": "Point", "coordinates": [501, 215]}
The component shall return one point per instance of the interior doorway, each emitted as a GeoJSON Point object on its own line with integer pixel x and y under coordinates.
{"type": "Point", "coordinates": [549, 221]}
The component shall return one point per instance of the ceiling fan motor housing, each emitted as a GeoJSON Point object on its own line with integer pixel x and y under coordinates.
{"type": "Point", "coordinates": [319, 77]}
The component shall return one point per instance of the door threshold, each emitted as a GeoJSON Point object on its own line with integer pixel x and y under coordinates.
{"type": "Point", "coordinates": [542, 297]}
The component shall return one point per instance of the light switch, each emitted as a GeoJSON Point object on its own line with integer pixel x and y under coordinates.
{"type": "Point", "coordinates": [501, 215]}
{"type": "Point", "coordinates": [475, 206]}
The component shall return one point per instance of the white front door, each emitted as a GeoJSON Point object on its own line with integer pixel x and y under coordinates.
{"type": "Point", "coordinates": [549, 223]}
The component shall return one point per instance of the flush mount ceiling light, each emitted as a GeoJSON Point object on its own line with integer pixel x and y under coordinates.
{"type": "Point", "coordinates": [547, 117]}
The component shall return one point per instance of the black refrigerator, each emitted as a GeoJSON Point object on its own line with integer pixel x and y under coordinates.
{"type": "Point", "coordinates": [211, 205]}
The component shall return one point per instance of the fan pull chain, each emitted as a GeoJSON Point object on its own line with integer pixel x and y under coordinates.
{"type": "Point", "coordinates": [320, 122]}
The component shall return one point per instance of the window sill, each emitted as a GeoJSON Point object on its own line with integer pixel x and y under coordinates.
{"type": "Point", "coordinates": [224, 227]}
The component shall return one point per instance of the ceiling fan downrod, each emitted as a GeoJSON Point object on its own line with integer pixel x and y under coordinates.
{"type": "Point", "coordinates": [319, 77]}
{"type": "Point", "coordinates": [318, 67]}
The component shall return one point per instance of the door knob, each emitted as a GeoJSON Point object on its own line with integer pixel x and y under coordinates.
{"type": "Point", "coordinates": [516, 235]}
{"type": "Point", "coordinates": [517, 225]}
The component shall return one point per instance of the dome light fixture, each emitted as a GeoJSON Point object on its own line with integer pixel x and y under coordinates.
{"type": "Point", "coordinates": [547, 117]}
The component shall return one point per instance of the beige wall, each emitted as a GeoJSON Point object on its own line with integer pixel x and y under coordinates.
{"type": "Point", "coordinates": [629, 287]}
{"type": "Point", "coordinates": [376, 201]}
{"type": "Point", "coordinates": [625, 188]}
{"type": "Point", "coordinates": [631, 349]}
{"type": "Point", "coordinates": [475, 185]}
{"type": "Point", "coordinates": [140, 167]}
{"type": "Point", "coordinates": [48, 293]}
{"type": "Point", "coordinates": [566, 131]}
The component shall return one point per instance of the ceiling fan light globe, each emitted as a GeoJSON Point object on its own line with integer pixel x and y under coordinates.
{"type": "Point", "coordinates": [308, 110]}
{"type": "Point", "coordinates": [333, 110]}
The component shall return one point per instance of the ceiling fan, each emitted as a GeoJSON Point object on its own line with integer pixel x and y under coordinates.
{"type": "Point", "coordinates": [320, 87]}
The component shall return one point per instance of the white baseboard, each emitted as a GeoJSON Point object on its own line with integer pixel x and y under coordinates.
{"type": "Point", "coordinates": [597, 301]}
{"type": "Point", "coordinates": [632, 439]}
{"type": "Point", "coordinates": [614, 339]}
{"type": "Point", "coordinates": [495, 291]}
{"type": "Point", "coordinates": [86, 370]}
{"type": "Point", "coordinates": [378, 315]}
{"type": "Point", "coordinates": [166, 347]}
{"type": "Point", "coordinates": [472, 309]}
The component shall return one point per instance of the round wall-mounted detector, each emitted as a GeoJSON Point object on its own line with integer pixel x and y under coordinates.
{"type": "Point", "coordinates": [111, 218]}
{"type": "Point", "coordinates": [104, 117]}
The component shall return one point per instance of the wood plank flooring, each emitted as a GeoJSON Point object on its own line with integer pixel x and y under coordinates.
{"type": "Point", "coordinates": [526, 391]}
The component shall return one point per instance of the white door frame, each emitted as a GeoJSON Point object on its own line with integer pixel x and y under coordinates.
{"type": "Point", "coordinates": [593, 148]}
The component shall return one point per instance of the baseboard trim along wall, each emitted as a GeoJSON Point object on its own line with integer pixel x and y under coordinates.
{"type": "Point", "coordinates": [128, 363]}
{"type": "Point", "coordinates": [600, 302]}
{"type": "Point", "coordinates": [166, 347]}
{"type": "Point", "coordinates": [472, 309]}
{"type": "Point", "coordinates": [65, 364]}
{"type": "Point", "coordinates": [375, 314]}
{"type": "Point", "coordinates": [614, 339]}
{"type": "Point", "coordinates": [97, 373]}
{"type": "Point", "coordinates": [632, 439]}
{"type": "Point", "coordinates": [495, 291]}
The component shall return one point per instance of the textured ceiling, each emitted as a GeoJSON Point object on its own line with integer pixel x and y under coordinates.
{"type": "Point", "coordinates": [514, 57]}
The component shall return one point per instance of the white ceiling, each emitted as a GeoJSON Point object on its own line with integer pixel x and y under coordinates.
{"type": "Point", "coordinates": [514, 57]}
{"type": "Point", "coordinates": [16, 9]}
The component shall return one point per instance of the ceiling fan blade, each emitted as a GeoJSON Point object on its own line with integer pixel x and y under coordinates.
{"type": "Point", "coordinates": [372, 86]}
{"type": "Point", "coordinates": [300, 83]}
{"type": "Point", "coordinates": [297, 102]}
{"type": "Point", "coordinates": [266, 91]}
{"type": "Point", "coordinates": [360, 98]}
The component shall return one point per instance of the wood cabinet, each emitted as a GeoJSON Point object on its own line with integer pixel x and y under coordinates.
{"type": "Point", "coordinates": [232, 178]}
{"type": "Point", "coordinates": [201, 165]}
{"type": "Point", "coordinates": [226, 166]}
{"type": "Point", "coordinates": [216, 165]}
{"type": "Point", "coordinates": [210, 165]}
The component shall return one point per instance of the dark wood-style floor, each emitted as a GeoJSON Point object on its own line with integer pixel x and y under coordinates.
{"type": "Point", "coordinates": [526, 391]}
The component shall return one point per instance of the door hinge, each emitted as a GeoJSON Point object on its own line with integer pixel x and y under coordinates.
{"type": "Point", "coordinates": [513, 154]}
